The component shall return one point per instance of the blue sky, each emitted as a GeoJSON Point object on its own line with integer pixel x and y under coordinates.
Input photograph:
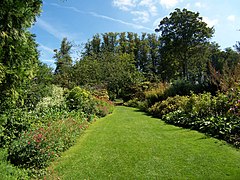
{"type": "Point", "coordinates": [79, 20]}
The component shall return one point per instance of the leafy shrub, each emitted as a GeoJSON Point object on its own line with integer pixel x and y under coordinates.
{"type": "Point", "coordinates": [132, 103]}
{"type": "Point", "coordinates": [36, 137]}
{"type": "Point", "coordinates": [180, 87]}
{"type": "Point", "coordinates": [12, 123]}
{"type": "Point", "coordinates": [142, 105]}
{"type": "Point", "coordinates": [156, 93]}
{"type": "Point", "coordinates": [55, 100]}
{"type": "Point", "coordinates": [169, 105]}
{"type": "Point", "coordinates": [102, 94]}
{"type": "Point", "coordinates": [208, 114]}
{"type": "Point", "coordinates": [161, 91]}
{"type": "Point", "coordinates": [36, 147]}
{"type": "Point", "coordinates": [103, 107]}
{"type": "Point", "coordinates": [8, 171]}
{"type": "Point", "coordinates": [234, 100]}
{"type": "Point", "coordinates": [80, 99]}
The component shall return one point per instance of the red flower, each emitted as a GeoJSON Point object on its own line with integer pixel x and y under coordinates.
{"type": "Point", "coordinates": [39, 135]}
{"type": "Point", "coordinates": [28, 142]}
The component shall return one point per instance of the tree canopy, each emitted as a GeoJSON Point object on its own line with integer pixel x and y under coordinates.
{"type": "Point", "coordinates": [18, 50]}
{"type": "Point", "coordinates": [63, 64]}
{"type": "Point", "coordinates": [184, 36]}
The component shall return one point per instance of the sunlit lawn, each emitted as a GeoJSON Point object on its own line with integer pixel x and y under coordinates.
{"type": "Point", "coordinates": [131, 145]}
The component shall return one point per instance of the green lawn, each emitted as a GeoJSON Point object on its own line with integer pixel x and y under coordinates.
{"type": "Point", "coordinates": [131, 145]}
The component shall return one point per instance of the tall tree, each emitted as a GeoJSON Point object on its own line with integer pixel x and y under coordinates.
{"type": "Point", "coordinates": [237, 46]}
{"type": "Point", "coordinates": [182, 35]}
{"type": "Point", "coordinates": [122, 42]}
{"type": "Point", "coordinates": [18, 50]}
{"type": "Point", "coordinates": [63, 71]}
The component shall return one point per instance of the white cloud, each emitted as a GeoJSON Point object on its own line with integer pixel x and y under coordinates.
{"type": "Point", "coordinates": [70, 7]}
{"type": "Point", "coordinates": [150, 5]}
{"type": "Point", "coordinates": [187, 6]}
{"type": "Point", "coordinates": [48, 61]}
{"type": "Point", "coordinates": [169, 3]}
{"type": "Point", "coordinates": [136, 26]}
{"type": "Point", "coordinates": [142, 16]}
{"type": "Point", "coordinates": [210, 22]}
{"type": "Point", "coordinates": [45, 48]}
{"type": "Point", "coordinates": [51, 30]}
{"type": "Point", "coordinates": [199, 5]}
{"type": "Point", "coordinates": [142, 10]}
{"type": "Point", "coordinates": [231, 18]}
{"type": "Point", "coordinates": [125, 5]}
{"type": "Point", "coordinates": [118, 2]}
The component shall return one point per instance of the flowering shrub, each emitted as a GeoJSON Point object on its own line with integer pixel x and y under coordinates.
{"type": "Point", "coordinates": [234, 100]}
{"type": "Point", "coordinates": [36, 147]}
{"type": "Point", "coordinates": [56, 100]}
{"type": "Point", "coordinates": [217, 116]}
{"type": "Point", "coordinates": [103, 107]}
{"type": "Point", "coordinates": [235, 109]}
{"type": "Point", "coordinates": [54, 128]}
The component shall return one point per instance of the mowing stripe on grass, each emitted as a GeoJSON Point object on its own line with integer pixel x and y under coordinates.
{"type": "Point", "coordinates": [130, 145]}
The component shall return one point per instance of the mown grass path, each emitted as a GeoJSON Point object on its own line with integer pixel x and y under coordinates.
{"type": "Point", "coordinates": [131, 145]}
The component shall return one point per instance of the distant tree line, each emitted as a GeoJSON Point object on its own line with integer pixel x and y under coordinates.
{"type": "Point", "coordinates": [181, 50]}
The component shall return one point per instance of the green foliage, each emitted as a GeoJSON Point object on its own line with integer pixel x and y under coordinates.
{"type": "Point", "coordinates": [237, 46]}
{"type": "Point", "coordinates": [182, 87]}
{"type": "Point", "coordinates": [161, 91]}
{"type": "Point", "coordinates": [52, 128]}
{"type": "Point", "coordinates": [116, 71]}
{"type": "Point", "coordinates": [2, 73]}
{"type": "Point", "coordinates": [36, 147]}
{"type": "Point", "coordinates": [144, 49]}
{"type": "Point", "coordinates": [54, 100]}
{"type": "Point", "coordinates": [136, 103]}
{"type": "Point", "coordinates": [103, 107]}
{"type": "Point", "coordinates": [228, 77]}
{"type": "Point", "coordinates": [184, 37]}
{"type": "Point", "coordinates": [171, 104]}
{"type": "Point", "coordinates": [213, 115]}
{"type": "Point", "coordinates": [80, 99]}
{"type": "Point", "coordinates": [8, 171]}
{"type": "Point", "coordinates": [156, 93]}
{"type": "Point", "coordinates": [19, 55]}
{"type": "Point", "coordinates": [39, 87]}
{"type": "Point", "coordinates": [12, 123]}
{"type": "Point", "coordinates": [63, 71]}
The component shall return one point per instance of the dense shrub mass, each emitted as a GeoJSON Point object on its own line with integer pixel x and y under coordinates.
{"type": "Point", "coordinates": [36, 147]}
{"type": "Point", "coordinates": [171, 104]}
{"type": "Point", "coordinates": [82, 100]}
{"type": "Point", "coordinates": [217, 115]}
{"type": "Point", "coordinates": [9, 171]}
{"type": "Point", "coordinates": [35, 138]}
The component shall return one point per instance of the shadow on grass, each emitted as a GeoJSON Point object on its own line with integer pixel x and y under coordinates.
{"type": "Point", "coordinates": [205, 136]}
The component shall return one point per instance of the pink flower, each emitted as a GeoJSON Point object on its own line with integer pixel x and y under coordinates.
{"type": "Point", "coordinates": [39, 135]}
{"type": "Point", "coordinates": [28, 142]}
